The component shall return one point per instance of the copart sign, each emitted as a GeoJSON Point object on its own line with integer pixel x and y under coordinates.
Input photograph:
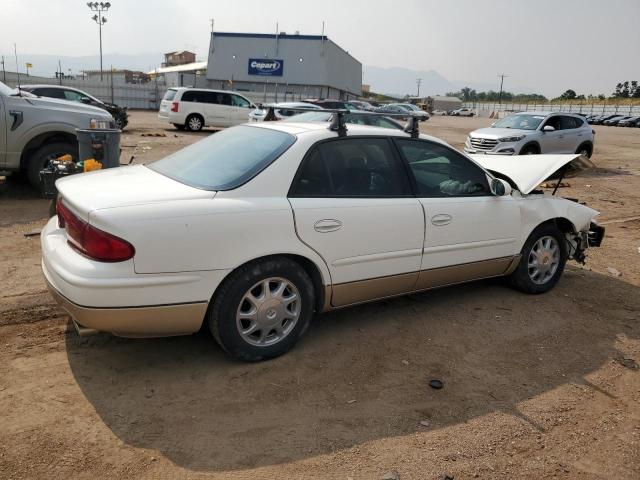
{"type": "Point", "coordinates": [266, 67]}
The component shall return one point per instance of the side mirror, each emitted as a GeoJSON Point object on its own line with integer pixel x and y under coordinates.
{"type": "Point", "coordinates": [548, 128]}
{"type": "Point", "coordinates": [86, 100]}
{"type": "Point", "coordinates": [500, 188]}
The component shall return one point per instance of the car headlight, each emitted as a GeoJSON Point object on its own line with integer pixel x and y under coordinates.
{"type": "Point", "coordinates": [100, 124]}
{"type": "Point", "coordinates": [516, 138]}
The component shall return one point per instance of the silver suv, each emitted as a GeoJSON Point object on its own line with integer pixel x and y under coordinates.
{"type": "Point", "coordinates": [33, 130]}
{"type": "Point", "coordinates": [530, 133]}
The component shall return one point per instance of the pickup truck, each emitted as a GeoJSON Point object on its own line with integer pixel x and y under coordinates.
{"type": "Point", "coordinates": [34, 130]}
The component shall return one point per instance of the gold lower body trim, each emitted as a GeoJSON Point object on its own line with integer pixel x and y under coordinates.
{"type": "Point", "coordinates": [151, 321]}
{"type": "Point", "coordinates": [376, 288]}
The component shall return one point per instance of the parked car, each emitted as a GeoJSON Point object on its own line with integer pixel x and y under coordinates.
{"type": "Point", "coordinates": [600, 119]}
{"type": "Point", "coordinates": [35, 130]}
{"type": "Point", "coordinates": [351, 118]}
{"type": "Point", "coordinates": [612, 122]}
{"type": "Point", "coordinates": [400, 108]}
{"type": "Point", "coordinates": [332, 104]}
{"type": "Point", "coordinates": [254, 229]}
{"type": "Point", "coordinates": [280, 110]}
{"type": "Point", "coordinates": [528, 133]}
{"type": "Point", "coordinates": [362, 105]}
{"type": "Point", "coordinates": [630, 122]}
{"type": "Point", "coordinates": [195, 108]}
{"type": "Point", "coordinates": [119, 114]}
{"type": "Point", "coordinates": [462, 112]}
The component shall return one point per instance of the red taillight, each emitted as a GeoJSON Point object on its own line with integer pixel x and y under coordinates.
{"type": "Point", "coordinates": [174, 106]}
{"type": "Point", "coordinates": [91, 241]}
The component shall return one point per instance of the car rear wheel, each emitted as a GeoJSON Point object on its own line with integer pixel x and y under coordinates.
{"type": "Point", "coordinates": [542, 263]}
{"type": "Point", "coordinates": [43, 155]}
{"type": "Point", "coordinates": [194, 123]}
{"type": "Point", "coordinates": [262, 309]}
{"type": "Point", "coordinates": [584, 150]}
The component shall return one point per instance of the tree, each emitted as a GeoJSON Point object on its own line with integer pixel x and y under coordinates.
{"type": "Point", "coordinates": [569, 95]}
{"type": "Point", "coordinates": [635, 89]}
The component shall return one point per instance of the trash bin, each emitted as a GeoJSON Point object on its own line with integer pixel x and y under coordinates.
{"type": "Point", "coordinates": [100, 145]}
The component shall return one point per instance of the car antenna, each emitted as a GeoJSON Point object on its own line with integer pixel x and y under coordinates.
{"type": "Point", "coordinates": [338, 124]}
{"type": "Point", "coordinates": [412, 127]}
{"type": "Point", "coordinates": [15, 52]}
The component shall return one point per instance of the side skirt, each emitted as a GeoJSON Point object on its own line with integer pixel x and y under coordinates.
{"type": "Point", "coordinates": [352, 293]}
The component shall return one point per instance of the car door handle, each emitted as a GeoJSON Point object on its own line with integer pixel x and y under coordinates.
{"type": "Point", "coordinates": [327, 225]}
{"type": "Point", "coordinates": [441, 219]}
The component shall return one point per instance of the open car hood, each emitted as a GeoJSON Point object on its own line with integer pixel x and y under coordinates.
{"type": "Point", "coordinates": [526, 172]}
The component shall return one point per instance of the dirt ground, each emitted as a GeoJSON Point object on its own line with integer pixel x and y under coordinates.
{"type": "Point", "coordinates": [534, 386]}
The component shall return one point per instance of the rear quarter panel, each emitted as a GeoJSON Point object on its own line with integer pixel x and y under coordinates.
{"type": "Point", "coordinates": [205, 234]}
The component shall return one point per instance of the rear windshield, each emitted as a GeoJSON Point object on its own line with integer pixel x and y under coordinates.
{"type": "Point", "coordinates": [227, 159]}
{"type": "Point", "coordinates": [170, 94]}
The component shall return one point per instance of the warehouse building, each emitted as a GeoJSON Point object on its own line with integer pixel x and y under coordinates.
{"type": "Point", "coordinates": [301, 66]}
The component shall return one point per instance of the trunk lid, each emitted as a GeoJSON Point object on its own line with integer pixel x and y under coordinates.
{"type": "Point", "coordinates": [123, 186]}
{"type": "Point", "coordinates": [529, 171]}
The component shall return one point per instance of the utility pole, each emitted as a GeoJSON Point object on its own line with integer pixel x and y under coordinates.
{"type": "Point", "coordinates": [4, 72]}
{"type": "Point", "coordinates": [502, 75]}
{"type": "Point", "coordinates": [100, 20]}
{"type": "Point", "coordinates": [418, 81]}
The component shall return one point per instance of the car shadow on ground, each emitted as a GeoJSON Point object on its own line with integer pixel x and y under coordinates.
{"type": "Point", "coordinates": [360, 374]}
{"type": "Point", "coordinates": [20, 202]}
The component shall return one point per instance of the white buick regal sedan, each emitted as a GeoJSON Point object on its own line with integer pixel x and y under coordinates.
{"type": "Point", "coordinates": [254, 229]}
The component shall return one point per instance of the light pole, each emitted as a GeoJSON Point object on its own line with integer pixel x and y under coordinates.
{"type": "Point", "coordinates": [502, 75]}
{"type": "Point", "coordinates": [100, 20]}
{"type": "Point", "coordinates": [418, 81]}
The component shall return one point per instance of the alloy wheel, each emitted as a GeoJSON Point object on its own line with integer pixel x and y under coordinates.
{"type": "Point", "coordinates": [268, 311]}
{"type": "Point", "coordinates": [544, 260]}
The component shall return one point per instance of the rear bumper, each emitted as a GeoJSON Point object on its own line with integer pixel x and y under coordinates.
{"type": "Point", "coordinates": [148, 321]}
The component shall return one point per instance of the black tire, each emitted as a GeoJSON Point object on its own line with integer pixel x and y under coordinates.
{"type": "Point", "coordinates": [178, 126]}
{"type": "Point", "coordinates": [194, 122]}
{"type": "Point", "coordinates": [529, 150]}
{"type": "Point", "coordinates": [43, 155]}
{"type": "Point", "coordinates": [585, 149]}
{"type": "Point", "coordinates": [521, 277]}
{"type": "Point", "coordinates": [228, 300]}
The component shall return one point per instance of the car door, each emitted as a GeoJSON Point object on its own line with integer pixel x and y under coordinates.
{"type": "Point", "coordinates": [353, 205]}
{"type": "Point", "coordinates": [552, 142]}
{"type": "Point", "coordinates": [469, 232]}
{"type": "Point", "coordinates": [240, 108]}
{"type": "Point", "coordinates": [573, 135]}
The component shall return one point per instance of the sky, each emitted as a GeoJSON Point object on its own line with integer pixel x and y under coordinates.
{"type": "Point", "coordinates": [545, 45]}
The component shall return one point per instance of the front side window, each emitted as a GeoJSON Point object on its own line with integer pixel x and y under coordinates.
{"type": "Point", "coordinates": [554, 122]}
{"type": "Point", "coordinates": [354, 167]}
{"type": "Point", "coordinates": [227, 159]}
{"type": "Point", "coordinates": [441, 172]}
{"type": "Point", "coordinates": [239, 101]}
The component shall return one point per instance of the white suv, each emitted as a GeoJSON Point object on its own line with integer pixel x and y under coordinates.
{"type": "Point", "coordinates": [530, 133]}
{"type": "Point", "coordinates": [195, 108]}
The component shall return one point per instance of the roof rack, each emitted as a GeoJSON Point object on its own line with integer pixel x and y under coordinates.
{"type": "Point", "coordinates": [338, 123]}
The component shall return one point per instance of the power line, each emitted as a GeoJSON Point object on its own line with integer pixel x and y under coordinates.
{"type": "Point", "coordinates": [502, 76]}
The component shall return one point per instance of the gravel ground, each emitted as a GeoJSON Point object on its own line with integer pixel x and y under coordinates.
{"type": "Point", "coordinates": [534, 386]}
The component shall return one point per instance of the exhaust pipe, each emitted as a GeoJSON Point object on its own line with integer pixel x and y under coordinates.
{"type": "Point", "coordinates": [84, 331]}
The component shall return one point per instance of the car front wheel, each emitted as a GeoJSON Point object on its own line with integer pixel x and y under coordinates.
{"type": "Point", "coordinates": [542, 263]}
{"type": "Point", "coordinates": [262, 309]}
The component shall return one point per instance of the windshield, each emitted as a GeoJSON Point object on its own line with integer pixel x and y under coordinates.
{"type": "Point", "coordinates": [227, 159]}
{"type": "Point", "coordinates": [520, 122]}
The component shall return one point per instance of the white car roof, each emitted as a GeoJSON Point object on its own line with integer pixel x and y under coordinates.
{"type": "Point", "coordinates": [321, 130]}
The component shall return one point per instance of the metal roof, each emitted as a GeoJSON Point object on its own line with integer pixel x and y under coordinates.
{"type": "Point", "coordinates": [271, 35]}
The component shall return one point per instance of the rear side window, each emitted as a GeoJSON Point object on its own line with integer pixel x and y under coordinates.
{"type": "Point", "coordinates": [170, 94]}
{"type": "Point", "coordinates": [195, 96]}
{"type": "Point", "coordinates": [227, 159]}
{"type": "Point", "coordinates": [49, 92]}
{"type": "Point", "coordinates": [568, 123]}
{"type": "Point", "coordinates": [351, 168]}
